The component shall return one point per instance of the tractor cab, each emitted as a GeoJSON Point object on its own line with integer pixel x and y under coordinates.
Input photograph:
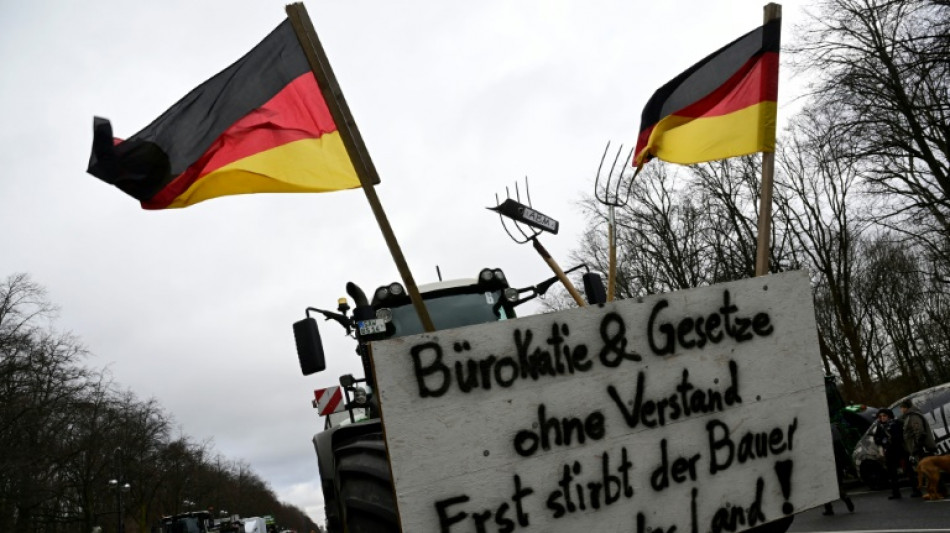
{"type": "Point", "coordinates": [390, 313]}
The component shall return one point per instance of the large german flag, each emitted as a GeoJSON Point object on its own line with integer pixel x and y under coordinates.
{"type": "Point", "coordinates": [723, 106]}
{"type": "Point", "coordinates": [261, 125]}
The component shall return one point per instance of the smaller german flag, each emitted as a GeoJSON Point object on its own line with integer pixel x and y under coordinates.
{"type": "Point", "coordinates": [723, 106]}
{"type": "Point", "coordinates": [261, 125]}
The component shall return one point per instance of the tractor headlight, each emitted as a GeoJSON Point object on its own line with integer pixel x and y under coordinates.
{"type": "Point", "coordinates": [385, 314]}
{"type": "Point", "coordinates": [384, 293]}
{"type": "Point", "coordinates": [499, 275]}
{"type": "Point", "coordinates": [510, 295]}
{"type": "Point", "coordinates": [493, 277]}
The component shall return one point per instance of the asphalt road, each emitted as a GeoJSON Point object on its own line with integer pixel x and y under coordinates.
{"type": "Point", "coordinates": [874, 513]}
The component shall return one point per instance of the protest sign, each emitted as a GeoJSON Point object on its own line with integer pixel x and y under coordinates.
{"type": "Point", "coordinates": [694, 411]}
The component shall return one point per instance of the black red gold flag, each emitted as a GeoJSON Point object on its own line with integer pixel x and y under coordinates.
{"type": "Point", "coordinates": [261, 125]}
{"type": "Point", "coordinates": [723, 106]}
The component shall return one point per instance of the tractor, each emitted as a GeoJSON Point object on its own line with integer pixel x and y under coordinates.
{"type": "Point", "coordinates": [351, 453]}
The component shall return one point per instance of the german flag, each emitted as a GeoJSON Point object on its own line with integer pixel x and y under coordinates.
{"type": "Point", "coordinates": [723, 106]}
{"type": "Point", "coordinates": [261, 125]}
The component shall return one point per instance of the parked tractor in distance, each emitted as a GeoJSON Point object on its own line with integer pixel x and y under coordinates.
{"type": "Point", "coordinates": [351, 453]}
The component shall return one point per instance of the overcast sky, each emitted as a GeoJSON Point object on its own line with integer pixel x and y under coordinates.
{"type": "Point", "coordinates": [194, 306]}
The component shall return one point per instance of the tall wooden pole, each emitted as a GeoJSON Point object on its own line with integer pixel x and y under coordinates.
{"type": "Point", "coordinates": [771, 12]}
{"type": "Point", "coordinates": [353, 142]}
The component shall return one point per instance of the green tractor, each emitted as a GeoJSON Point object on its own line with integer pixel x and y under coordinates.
{"type": "Point", "coordinates": [351, 453]}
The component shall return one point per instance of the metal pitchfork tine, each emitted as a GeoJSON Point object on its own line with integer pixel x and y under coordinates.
{"type": "Point", "coordinates": [524, 216]}
{"type": "Point", "coordinates": [534, 232]}
{"type": "Point", "coordinates": [611, 198]}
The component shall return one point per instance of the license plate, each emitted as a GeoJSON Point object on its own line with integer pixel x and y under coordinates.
{"type": "Point", "coordinates": [371, 327]}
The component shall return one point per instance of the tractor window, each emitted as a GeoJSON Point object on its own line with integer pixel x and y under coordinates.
{"type": "Point", "coordinates": [448, 312]}
{"type": "Point", "coordinates": [343, 417]}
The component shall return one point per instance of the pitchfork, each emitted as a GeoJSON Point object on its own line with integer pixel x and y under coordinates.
{"type": "Point", "coordinates": [610, 197]}
{"type": "Point", "coordinates": [530, 232]}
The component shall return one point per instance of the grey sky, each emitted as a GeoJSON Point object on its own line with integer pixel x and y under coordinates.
{"type": "Point", "coordinates": [455, 102]}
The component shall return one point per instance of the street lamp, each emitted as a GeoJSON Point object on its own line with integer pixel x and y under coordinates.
{"type": "Point", "coordinates": [120, 486]}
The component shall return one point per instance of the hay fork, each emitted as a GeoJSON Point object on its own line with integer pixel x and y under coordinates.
{"type": "Point", "coordinates": [514, 210]}
{"type": "Point", "coordinates": [609, 196]}
{"type": "Point", "coordinates": [530, 223]}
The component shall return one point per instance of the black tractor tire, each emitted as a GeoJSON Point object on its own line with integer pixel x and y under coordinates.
{"type": "Point", "coordinates": [364, 486]}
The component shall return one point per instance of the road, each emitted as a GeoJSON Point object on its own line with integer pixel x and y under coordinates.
{"type": "Point", "coordinates": [874, 513]}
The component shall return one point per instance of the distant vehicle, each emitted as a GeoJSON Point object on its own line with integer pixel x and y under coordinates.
{"type": "Point", "coordinates": [850, 421]}
{"type": "Point", "coordinates": [866, 415]}
{"type": "Point", "coordinates": [231, 524]}
{"type": "Point", "coordinates": [193, 522]}
{"type": "Point", "coordinates": [255, 524]}
{"type": "Point", "coordinates": [934, 403]}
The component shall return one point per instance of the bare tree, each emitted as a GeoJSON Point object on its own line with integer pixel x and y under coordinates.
{"type": "Point", "coordinates": [38, 381]}
{"type": "Point", "coordinates": [816, 206]}
{"type": "Point", "coordinates": [884, 67]}
{"type": "Point", "coordinates": [66, 430]}
{"type": "Point", "coordinates": [684, 227]}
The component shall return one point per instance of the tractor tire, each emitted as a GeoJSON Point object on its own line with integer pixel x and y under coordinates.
{"type": "Point", "coordinates": [364, 486]}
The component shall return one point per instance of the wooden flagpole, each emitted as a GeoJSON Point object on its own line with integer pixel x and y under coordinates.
{"type": "Point", "coordinates": [771, 12]}
{"type": "Point", "coordinates": [353, 142]}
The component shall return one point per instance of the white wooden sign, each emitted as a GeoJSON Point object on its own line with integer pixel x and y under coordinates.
{"type": "Point", "coordinates": [696, 411]}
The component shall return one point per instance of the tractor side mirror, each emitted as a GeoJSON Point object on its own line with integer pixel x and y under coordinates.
{"type": "Point", "coordinates": [594, 288]}
{"type": "Point", "coordinates": [309, 347]}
